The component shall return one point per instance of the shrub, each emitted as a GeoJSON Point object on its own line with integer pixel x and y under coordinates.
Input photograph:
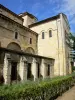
{"type": "Point", "coordinates": [42, 90]}
{"type": "Point", "coordinates": [73, 68]}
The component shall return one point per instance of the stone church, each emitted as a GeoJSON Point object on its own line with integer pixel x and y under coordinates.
{"type": "Point", "coordinates": [32, 49]}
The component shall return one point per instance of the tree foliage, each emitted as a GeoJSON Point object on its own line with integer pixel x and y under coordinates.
{"type": "Point", "coordinates": [72, 37]}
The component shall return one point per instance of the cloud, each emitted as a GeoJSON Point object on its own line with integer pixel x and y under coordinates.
{"type": "Point", "coordinates": [43, 9]}
{"type": "Point", "coordinates": [68, 7]}
{"type": "Point", "coordinates": [54, 7]}
{"type": "Point", "coordinates": [64, 6]}
{"type": "Point", "coordinates": [47, 8]}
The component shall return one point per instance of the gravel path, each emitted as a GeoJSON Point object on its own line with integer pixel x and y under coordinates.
{"type": "Point", "coordinates": [69, 95]}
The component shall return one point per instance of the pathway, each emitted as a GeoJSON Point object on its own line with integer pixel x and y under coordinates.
{"type": "Point", "coordinates": [69, 95]}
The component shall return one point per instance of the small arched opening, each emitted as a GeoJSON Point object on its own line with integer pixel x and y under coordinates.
{"type": "Point", "coordinates": [14, 60]}
{"type": "Point", "coordinates": [30, 50]}
{"type": "Point", "coordinates": [14, 46]}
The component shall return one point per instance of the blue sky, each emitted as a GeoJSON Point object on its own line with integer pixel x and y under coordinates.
{"type": "Point", "coordinates": [44, 8]}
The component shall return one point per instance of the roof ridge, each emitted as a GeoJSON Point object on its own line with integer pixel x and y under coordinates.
{"type": "Point", "coordinates": [45, 20]}
{"type": "Point", "coordinates": [27, 13]}
{"type": "Point", "coordinates": [19, 24]}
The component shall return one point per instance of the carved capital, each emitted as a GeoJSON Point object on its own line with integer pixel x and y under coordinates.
{"type": "Point", "coordinates": [23, 59]}
{"type": "Point", "coordinates": [8, 56]}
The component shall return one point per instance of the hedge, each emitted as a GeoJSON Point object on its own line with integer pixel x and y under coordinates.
{"type": "Point", "coordinates": [73, 68]}
{"type": "Point", "coordinates": [42, 90]}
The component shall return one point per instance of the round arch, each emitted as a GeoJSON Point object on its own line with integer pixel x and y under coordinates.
{"type": "Point", "coordinates": [50, 29]}
{"type": "Point", "coordinates": [41, 32]}
{"type": "Point", "coordinates": [14, 46]}
{"type": "Point", "coordinates": [30, 50]}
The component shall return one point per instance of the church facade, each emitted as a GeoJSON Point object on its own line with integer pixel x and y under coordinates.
{"type": "Point", "coordinates": [54, 41]}
{"type": "Point", "coordinates": [30, 49]}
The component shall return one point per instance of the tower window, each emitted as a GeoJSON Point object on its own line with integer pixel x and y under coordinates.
{"type": "Point", "coordinates": [43, 35]}
{"type": "Point", "coordinates": [16, 35]}
{"type": "Point", "coordinates": [50, 33]}
{"type": "Point", "coordinates": [30, 40]}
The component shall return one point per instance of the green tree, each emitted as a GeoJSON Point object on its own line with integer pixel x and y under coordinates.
{"type": "Point", "coordinates": [72, 39]}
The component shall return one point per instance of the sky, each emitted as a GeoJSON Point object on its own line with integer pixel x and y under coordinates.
{"type": "Point", "coordinates": [43, 9]}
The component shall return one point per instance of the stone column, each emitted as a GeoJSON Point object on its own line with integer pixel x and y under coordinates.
{"type": "Point", "coordinates": [52, 69]}
{"type": "Point", "coordinates": [7, 69]}
{"type": "Point", "coordinates": [43, 65]}
{"type": "Point", "coordinates": [23, 68]}
{"type": "Point", "coordinates": [34, 69]}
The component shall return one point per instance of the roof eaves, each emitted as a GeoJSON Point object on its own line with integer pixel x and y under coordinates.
{"type": "Point", "coordinates": [19, 24]}
{"type": "Point", "coordinates": [26, 13]}
{"type": "Point", "coordinates": [44, 21]}
{"type": "Point", "coordinates": [23, 53]}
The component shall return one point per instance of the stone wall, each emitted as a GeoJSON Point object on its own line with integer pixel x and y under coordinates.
{"type": "Point", "coordinates": [22, 67]}
{"type": "Point", "coordinates": [10, 15]}
{"type": "Point", "coordinates": [7, 35]}
{"type": "Point", "coordinates": [54, 46]}
{"type": "Point", "coordinates": [49, 45]}
{"type": "Point", "coordinates": [28, 20]}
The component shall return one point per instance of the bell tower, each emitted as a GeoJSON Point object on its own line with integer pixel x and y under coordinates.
{"type": "Point", "coordinates": [28, 18]}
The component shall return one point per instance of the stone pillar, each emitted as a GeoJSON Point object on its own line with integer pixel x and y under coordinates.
{"type": "Point", "coordinates": [43, 65]}
{"type": "Point", "coordinates": [7, 69]}
{"type": "Point", "coordinates": [34, 69]}
{"type": "Point", "coordinates": [23, 68]}
{"type": "Point", "coordinates": [52, 69]}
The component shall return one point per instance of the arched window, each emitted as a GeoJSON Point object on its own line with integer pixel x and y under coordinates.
{"type": "Point", "coordinates": [50, 33]}
{"type": "Point", "coordinates": [30, 40]}
{"type": "Point", "coordinates": [16, 35]}
{"type": "Point", "coordinates": [43, 35]}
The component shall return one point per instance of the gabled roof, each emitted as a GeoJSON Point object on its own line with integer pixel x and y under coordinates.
{"type": "Point", "coordinates": [7, 18]}
{"type": "Point", "coordinates": [27, 13]}
{"type": "Point", "coordinates": [6, 9]}
{"type": "Point", "coordinates": [45, 20]}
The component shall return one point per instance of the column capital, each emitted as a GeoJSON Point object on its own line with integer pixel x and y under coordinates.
{"type": "Point", "coordinates": [43, 61]}
{"type": "Point", "coordinates": [34, 60]}
{"type": "Point", "coordinates": [7, 56]}
{"type": "Point", "coordinates": [23, 59]}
